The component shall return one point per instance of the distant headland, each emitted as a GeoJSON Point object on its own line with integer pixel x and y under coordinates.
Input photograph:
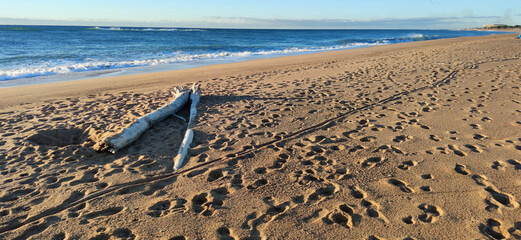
{"type": "Point", "coordinates": [499, 27]}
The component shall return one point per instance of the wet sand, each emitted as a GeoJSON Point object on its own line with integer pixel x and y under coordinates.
{"type": "Point", "coordinates": [408, 141]}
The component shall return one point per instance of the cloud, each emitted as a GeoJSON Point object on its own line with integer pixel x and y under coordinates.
{"type": "Point", "coordinates": [467, 20]}
{"type": "Point", "coordinates": [385, 23]}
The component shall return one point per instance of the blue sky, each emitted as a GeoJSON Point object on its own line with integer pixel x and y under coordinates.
{"type": "Point", "coordinates": [419, 14]}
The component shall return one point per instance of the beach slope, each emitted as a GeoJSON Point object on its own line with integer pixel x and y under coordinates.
{"type": "Point", "coordinates": [415, 140]}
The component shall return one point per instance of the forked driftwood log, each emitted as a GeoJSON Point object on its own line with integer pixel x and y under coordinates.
{"type": "Point", "coordinates": [136, 129]}
{"type": "Point", "coordinates": [195, 94]}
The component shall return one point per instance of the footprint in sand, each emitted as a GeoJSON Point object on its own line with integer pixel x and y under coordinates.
{"type": "Point", "coordinates": [105, 212]}
{"type": "Point", "coordinates": [356, 148]}
{"type": "Point", "coordinates": [434, 138]}
{"type": "Point", "coordinates": [407, 164]}
{"type": "Point", "coordinates": [391, 149]}
{"type": "Point", "coordinates": [357, 192]}
{"type": "Point", "coordinates": [462, 169]}
{"type": "Point", "coordinates": [215, 175]}
{"type": "Point", "coordinates": [123, 233]}
{"type": "Point", "coordinates": [256, 224]}
{"type": "Point", "coordinates": [206, 204]}
{"type": "Point", "coordinates": [280, 161]}
{"type": "Point", "coordinates": [505, 199]}
{"type": "Point", "coordinates": [306, 177]}
{"type": "Point", "coordinates": [221, 143]}
{"type": "Point", "coordinates": [196, 172]}
{"type": "Point", "coordinates": [515, 163]}
{"type": "Point", "coordinates": [87, 177]}
{"type": "Point", "coordinates": [257, 184]}
{"type": "Point", "coordinates": [373, 210]}
{"type": "Point", "coordinates": [225, 233]}
{"type": "Point", "coordinates": [344, 216]}
{"type": "Point", "coordinates": [372, 162]}
{"type": "Point", "coordinates": [367, 139]}
{"type": "Point", "coordinates": [480, 137]}
{"type": "Point", "coordinates": [427, 176]}
{"type": "Point", "coordinates": [402, 185]}
{"type": "Point", "coordinates": [260, 170]}
{"type": "Point", "coordinates": [494, 229]}
{"type": "Point", "coordinates": [430, 213]}
{"type": "Point", "coordinates": [15, 194]}
{"type": "Point", "coordinates": [178, 238]}
{"type": "Point", "coordinates": [237, 181]}
{"type": "Point", "coordinates": [408, 220]}
{"type": "Point", "coordinates": [499, 165]}
{"type": "Point", "coordinates": [313, 149]}
{"type": "Point", "coordinates": [457, 151]}
{"type": "Point", "coordinates": [473, 148]}
{"type": "Point", "coordinates": [486, 119]}
{"type": "Point", "coordinates": [402, 138]}
{"type": "Point", "coordinates": [323, 193]}
{"type": "Point", "coordinates": [163, 208]}
{"type": "Point", "coordinates": [73, 212]}
{"type": "Point", "coordinates": [159, 209]}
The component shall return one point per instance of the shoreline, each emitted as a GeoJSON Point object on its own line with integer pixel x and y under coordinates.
{"type": "Point", "coordinates": [78, 70]}
{"type": "Point", "coordinates": [407, 141]}
{"type": "Point", "coordinates": [29, 94]}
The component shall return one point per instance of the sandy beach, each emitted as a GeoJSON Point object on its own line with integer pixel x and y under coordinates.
{"type": "Point", "coordinates": [417, 140]}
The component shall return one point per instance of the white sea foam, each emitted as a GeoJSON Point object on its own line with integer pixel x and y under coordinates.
{"type": "Point", "coordinates": [147, 29]}
{"type": "Point", "coordinates": [415, 35]}
{"type": "Point", "coordinates": [177, 57]}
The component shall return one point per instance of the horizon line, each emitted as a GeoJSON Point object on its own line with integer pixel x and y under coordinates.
{"type": "Point", "coordinates": [238, 28]}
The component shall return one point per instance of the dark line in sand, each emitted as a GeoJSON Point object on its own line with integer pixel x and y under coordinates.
{"type": "Point", "coordinates": [239, 154]}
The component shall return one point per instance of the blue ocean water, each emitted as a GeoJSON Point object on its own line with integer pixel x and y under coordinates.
{"type": "Point", "coordinates": [31, 52]}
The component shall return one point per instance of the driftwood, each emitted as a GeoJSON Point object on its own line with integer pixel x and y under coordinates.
{"type": "Point", "coordinates": [195, 95]}
{"type": "Point", "coordinates": [183, 149]}
{"type": "Point", "coordinates": [136, 129]}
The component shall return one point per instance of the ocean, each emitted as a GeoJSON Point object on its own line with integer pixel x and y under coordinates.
{"type": "Point", "coordinates": [39, 54]}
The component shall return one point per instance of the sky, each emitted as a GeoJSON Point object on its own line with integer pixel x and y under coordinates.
{"type": "Point", "coordinates": [289, 14]}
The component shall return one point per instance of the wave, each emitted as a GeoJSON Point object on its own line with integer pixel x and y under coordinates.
{"type": "Point", "coordinates": [406, 38]}
{"type": "Point", "coordinates": [145, 29]}
{"type": "Point", "coordinates": [416, 37]}
{"type": "Point", "coordinates": [65, 67]}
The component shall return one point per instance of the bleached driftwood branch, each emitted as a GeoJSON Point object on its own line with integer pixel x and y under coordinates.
{"type": "Point", "coordinates": [195, 95]}
{"type": "Point", "coordinates": [136, 129]}
{"type": "Point", "coordinates": [183, 149]}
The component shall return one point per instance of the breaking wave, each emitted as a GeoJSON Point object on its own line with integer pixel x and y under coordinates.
{"type": "Point", "coordinates": [63, 67]}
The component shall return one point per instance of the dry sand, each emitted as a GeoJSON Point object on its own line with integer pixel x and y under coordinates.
{"type": "Point", "coordinates": [408, 141]}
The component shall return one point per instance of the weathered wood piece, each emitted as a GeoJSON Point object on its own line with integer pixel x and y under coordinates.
{"type": "Point", "coordinates": [136, 129]}
{"type": "Point", "coordinates": [183, 149]}
{"type": "Point", "coordinates": [195, 95]}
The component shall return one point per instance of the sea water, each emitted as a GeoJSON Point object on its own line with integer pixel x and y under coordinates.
{"type": "Point", "coordinates": [38, 54]}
